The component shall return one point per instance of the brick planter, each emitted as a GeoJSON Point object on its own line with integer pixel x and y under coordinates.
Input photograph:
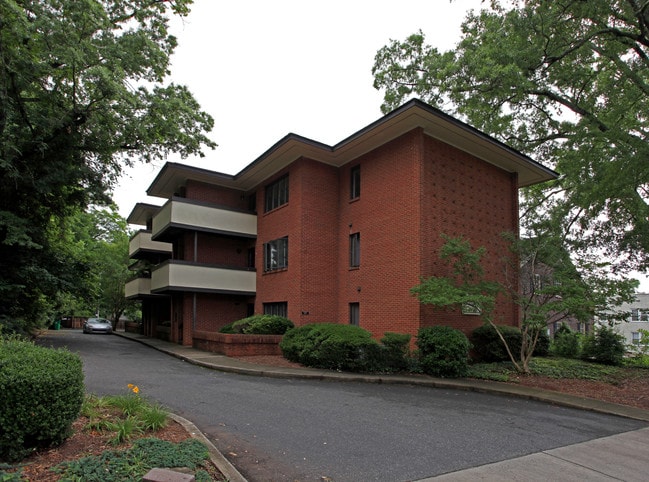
{"type": "Point", "coordinates": [237, 345]}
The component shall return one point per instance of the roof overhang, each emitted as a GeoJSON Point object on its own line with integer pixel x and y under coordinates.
{"type": "Point", "coordinates": [414, 114]}
{"type": "Point", "coordinates": [141, 213]}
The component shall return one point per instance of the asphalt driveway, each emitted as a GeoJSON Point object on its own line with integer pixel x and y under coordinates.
{"type": "Point", "coordinates": [278, 429]}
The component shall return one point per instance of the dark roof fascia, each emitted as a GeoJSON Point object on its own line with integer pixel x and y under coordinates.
{"type": "Point", "coordinates": [450, 119]}
{"type": "Point", "coordinates": [290, 137]}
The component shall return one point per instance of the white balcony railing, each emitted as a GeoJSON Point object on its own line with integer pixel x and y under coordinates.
{"type": "Point", "coordinates": [142, 244]}
{"type": "Point", "coordinates": [137, 287]}
{"type": "Point", "coordinates": [183, 276]}
{"type": "Point", "coordinates": [187, 215]}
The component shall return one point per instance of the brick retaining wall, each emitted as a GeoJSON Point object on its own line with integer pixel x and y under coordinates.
{"type": "Point", "coordinates": [236, 344]}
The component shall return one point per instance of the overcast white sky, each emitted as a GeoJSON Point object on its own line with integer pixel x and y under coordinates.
{"type": "Point", "coordinates": [265, 68]}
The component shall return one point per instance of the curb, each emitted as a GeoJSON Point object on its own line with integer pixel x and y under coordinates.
{"type": "Point", "coordinates": [225, 467]}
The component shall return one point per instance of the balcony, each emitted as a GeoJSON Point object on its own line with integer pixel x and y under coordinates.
{"type": "Point", "coordinates": [187, 276]}
{"type": "Point", "coordinates": [141, 246]}
{"type": "Point", "coordinates": [137, 288]}
{"type": "Point", "coordinates": [179, 214]}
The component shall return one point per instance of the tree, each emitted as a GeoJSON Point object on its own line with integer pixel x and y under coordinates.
{"type": "Point", "coordinates": [564, 294]}
{"type": "Point", "coordinates": [566, 81]}
{"type": "Point", "coordinates": [81, 96]}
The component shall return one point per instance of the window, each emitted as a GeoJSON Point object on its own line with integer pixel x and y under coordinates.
{"type": "Point", "coordinates": [276, 254]}
{"type": "Point", "coordinates": [636, 337]}
{"type": "Point", "coordinates": [354, 314]}
{"type": "Point", "coordinates": [277, 309]}
{"type": "Point", "coordinates": [471, 308]}
{"type": "Point", "coordinates": [639, 314]}
{"type": "Point", "coordinates": [354, 250]}
{"type": "Point", "coordinates": [355, 182]}
{"type": "Point", "coordinates": [276, 194]}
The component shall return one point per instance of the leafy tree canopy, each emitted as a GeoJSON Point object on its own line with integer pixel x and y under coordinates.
{"type": "Point", "coordinates": [81, 96]}
{"type": "Point", "coordinates": [566, 81]}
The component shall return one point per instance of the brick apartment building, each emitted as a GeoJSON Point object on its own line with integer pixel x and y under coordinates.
{"type": "Point", "coordinates": [324, 233]}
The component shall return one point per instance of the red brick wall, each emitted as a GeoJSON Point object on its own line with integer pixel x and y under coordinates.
{"type": "Point", "coordinates": [385, 215]}
{"type": "Point", "coordinates": [464, 196]}
{"type": "Point", "coordinates": [214, 311]}
{"type": "Point", "coordinates": [309, 219]}
{"type": "Point", "coordinates": [216, 194]}
{"type": "Point", "coordinates": [224, 250]}
{"type": "Point", "coordinates": [319, 247]}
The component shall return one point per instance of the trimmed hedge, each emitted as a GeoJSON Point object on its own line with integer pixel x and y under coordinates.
{"type": "Point", "coordinates": [41, 391]}
{"type": "Point", "coordinates": [396, 351]}
{"type": "Point", "coordinates": [443, 351]}
{"type": "Point", "coordinates": [260, 325]}
{"type": "Point", "coordinates": [489, 348]}
{"type": "Point", "coordinates": [332, 346]}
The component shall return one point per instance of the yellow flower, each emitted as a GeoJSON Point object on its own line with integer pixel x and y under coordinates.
{"type": "Point", "coordinates": [135, 390]}
{"type": "Point", "coordinates": [130, 385]}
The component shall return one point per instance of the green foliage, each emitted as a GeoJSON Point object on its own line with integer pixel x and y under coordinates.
{"type": "Point", "coordinates": [566, 343]}
{"type": "Point", "coordinates": [260, 325]}
{"type": "Point", "coordinates": [396, 351]}
{"type": "Point", "coordinates": [604, 346]}
{"type": "Point", "coordinates": [124, 429]}
{"type": "Point", "coordinates": [443, 351]}
{"type": "Point", "coordinates": [82, 93]}
{"type": "Point", "coordinates": [467, 283]}
{"type": "Point", "coordinates": [332, 346]}
{"type": "Point", "coordinates": [489, 348]}
{"type": "Point", "coordinates": [542, 346]}
{"type": "Point", "coordinates": [496, 372]}
{"type": "Point", "coordinates": [559, 368]}
{"type": "Point", "coordinates": [41, 392]}
{"type": "Point", "coordinates": [637, 361]}
{"type": "Point", "coordinates": [228, 328]}
{"type": "Point", "coordinates": [10, 476]}
{"type": "Point", "coordinates": [565, 82]}
{"type": "Point", "coordinates": [132, 464]}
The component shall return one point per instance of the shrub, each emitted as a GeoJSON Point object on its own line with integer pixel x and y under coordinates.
{"type": "Point", "coordinates": [542, 347]}
{"type": "Point", "coordinates": [332, 346]}
{"type": "Point", "coordinates": [443, 351]}
{"type": "Point", "coordinates": [566, 343]}
{"type": "Point", "coordinates": [488, 346]}
{"type": "Point", "coordinates": [396, 348]}
{"type": "Point", "coordinates": [604, 346]}
{"type": "Point", "coordinates": [228, 328]}
{"type": "Point", "coordinates": [260, 325]}
{"type": "Point", "coordinates": [41, 392]}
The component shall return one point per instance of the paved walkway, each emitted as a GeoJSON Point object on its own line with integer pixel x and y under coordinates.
{"type": "Point", "coordinates": [619, 457]}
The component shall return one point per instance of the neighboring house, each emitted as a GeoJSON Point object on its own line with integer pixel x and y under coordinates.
{"type": "Point", "coordinates": [323, 233]}
{"type": "Point", "coordinates": [637, 318]}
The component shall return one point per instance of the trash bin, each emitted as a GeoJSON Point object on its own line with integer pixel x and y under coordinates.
{"type": "Point", "coordinates": [57, 325]}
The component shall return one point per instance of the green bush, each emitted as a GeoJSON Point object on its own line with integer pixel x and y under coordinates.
{"type": "Point", "coordinates": [566, 343]}
{"type": "Point", "coordinates": [41, 392]}
{"type": "Point", "coordinates": [489, 348]}
{"type": "Point", "coordinates": [443, 351]}
{"type": "Point", "coordinates": [332, 346]}
{"type": "Point", "coordinates": [604, 346]}
{"type": "Point", "coordinates": [542, 347]}
{"type": "Point", "coordinates": [396, 348]}
{"type": "Point", "coordinates": [260, 325]}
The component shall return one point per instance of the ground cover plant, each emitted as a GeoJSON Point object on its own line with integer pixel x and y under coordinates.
{"type": "Point", "coordinates": [117, 438]}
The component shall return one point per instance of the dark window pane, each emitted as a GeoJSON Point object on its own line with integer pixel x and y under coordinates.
{"type": "Point", "coordinates": [355, 250]}
{"type": "Point", "coordinates": [355, 182]}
